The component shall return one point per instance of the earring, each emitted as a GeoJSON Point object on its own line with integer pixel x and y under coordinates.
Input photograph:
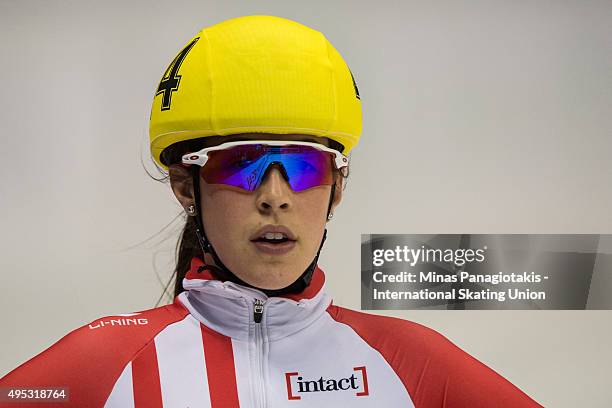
{"type": "Point", "coordinates": [330, 216]}
{"type": "Point", "coordinates": [191, 210]}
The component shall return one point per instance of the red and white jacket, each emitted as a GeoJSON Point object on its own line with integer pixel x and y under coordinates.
{"type": "Point", "coordinates": [220, 344]}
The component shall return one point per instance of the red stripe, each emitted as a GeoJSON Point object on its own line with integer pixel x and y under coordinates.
{"type": "Point", "coordinates": [145, 378]}
{"type": "Point", "coordinates": [220, 369]}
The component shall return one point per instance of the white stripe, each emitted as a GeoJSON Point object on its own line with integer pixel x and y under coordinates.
{"type": "Point", "coordinates": [182, 368]}
{"type": "Point", "coordinates": [242, 366]}
{"type": "Point", "coordinates": [122, 395]}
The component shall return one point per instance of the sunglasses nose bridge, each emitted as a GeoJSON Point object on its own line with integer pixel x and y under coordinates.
{"type": "Point", "coordinates": [275, 165]}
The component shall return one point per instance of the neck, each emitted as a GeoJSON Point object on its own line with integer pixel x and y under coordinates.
{"type": "Point", "coordinates": [224, 274]}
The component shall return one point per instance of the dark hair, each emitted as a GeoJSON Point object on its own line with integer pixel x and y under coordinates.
{"type": "Point", "coordinates": [187, 245]}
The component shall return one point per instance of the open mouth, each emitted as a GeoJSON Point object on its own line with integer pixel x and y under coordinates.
{"type": "Point", "coordinates": [272, 241]}
{"type": "Point", "coordinates": [273, 238]}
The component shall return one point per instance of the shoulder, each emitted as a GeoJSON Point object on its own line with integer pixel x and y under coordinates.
{"type": "Point", "coordinates": [434, 370]}
{"type": "Point", "coordinates": [390, 331]}
{"type": "Point", "coordinates": [116, 336]}
{"type": "Point", "coordinates": [89, 359]}
{"type": "Point", "coordinates": [124, 333]}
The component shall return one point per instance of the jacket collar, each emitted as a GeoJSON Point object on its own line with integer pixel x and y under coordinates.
{"type": "Point", "coordinates": [228, 307]}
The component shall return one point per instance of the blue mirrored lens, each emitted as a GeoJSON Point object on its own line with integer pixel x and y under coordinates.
{"type": "Point", "coordinates": [245, 166]}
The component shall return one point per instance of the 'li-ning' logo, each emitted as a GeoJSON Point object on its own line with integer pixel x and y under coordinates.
{"type": "Point", "coordinates": [123, 321]}
{"type": "Point", "coordinates": [358, 382]}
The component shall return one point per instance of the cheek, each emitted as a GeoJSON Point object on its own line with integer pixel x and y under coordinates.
{"type": "Point", "coordinates": [311, 212]}
{"type": "Point", "coordinates": [312, 204]}
{"type": "Point", "coordinates": [224, 211]}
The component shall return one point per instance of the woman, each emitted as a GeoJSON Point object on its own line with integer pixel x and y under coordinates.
{"type": "Point", "coordinates": [253, 121]}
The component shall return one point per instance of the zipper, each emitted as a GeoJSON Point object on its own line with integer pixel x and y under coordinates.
{"type": "Point", "coordinates": [258, 309]}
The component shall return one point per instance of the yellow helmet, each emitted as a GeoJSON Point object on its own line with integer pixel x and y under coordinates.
{"type": "Point", "coordinates": [256, 74]}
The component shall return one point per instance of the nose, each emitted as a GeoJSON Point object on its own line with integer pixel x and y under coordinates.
{"type": "Point", "coordinates": [274, 192]}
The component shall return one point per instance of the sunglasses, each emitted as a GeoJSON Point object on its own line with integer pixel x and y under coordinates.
{"type": "Point", "coordinates": [243, 164]}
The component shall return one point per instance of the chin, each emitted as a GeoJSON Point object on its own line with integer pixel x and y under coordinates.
{"type": "Point", "coordinates": [273, 277]}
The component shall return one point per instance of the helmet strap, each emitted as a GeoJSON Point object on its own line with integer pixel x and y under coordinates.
{"type": "Point", "coordinates": [223, 273]}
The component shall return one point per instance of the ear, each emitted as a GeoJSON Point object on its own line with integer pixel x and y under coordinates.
{"type": "Point", "coordinates": [181, 182]}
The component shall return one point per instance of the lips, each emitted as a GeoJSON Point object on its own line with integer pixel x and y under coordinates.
{"type": "Point", "coordinates": [273, 246]}
{"type": "Point", "coordinates": [270, 248]}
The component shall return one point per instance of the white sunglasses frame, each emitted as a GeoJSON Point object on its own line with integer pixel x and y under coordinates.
{"type": "Point", "coordinates": [201, 157]}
